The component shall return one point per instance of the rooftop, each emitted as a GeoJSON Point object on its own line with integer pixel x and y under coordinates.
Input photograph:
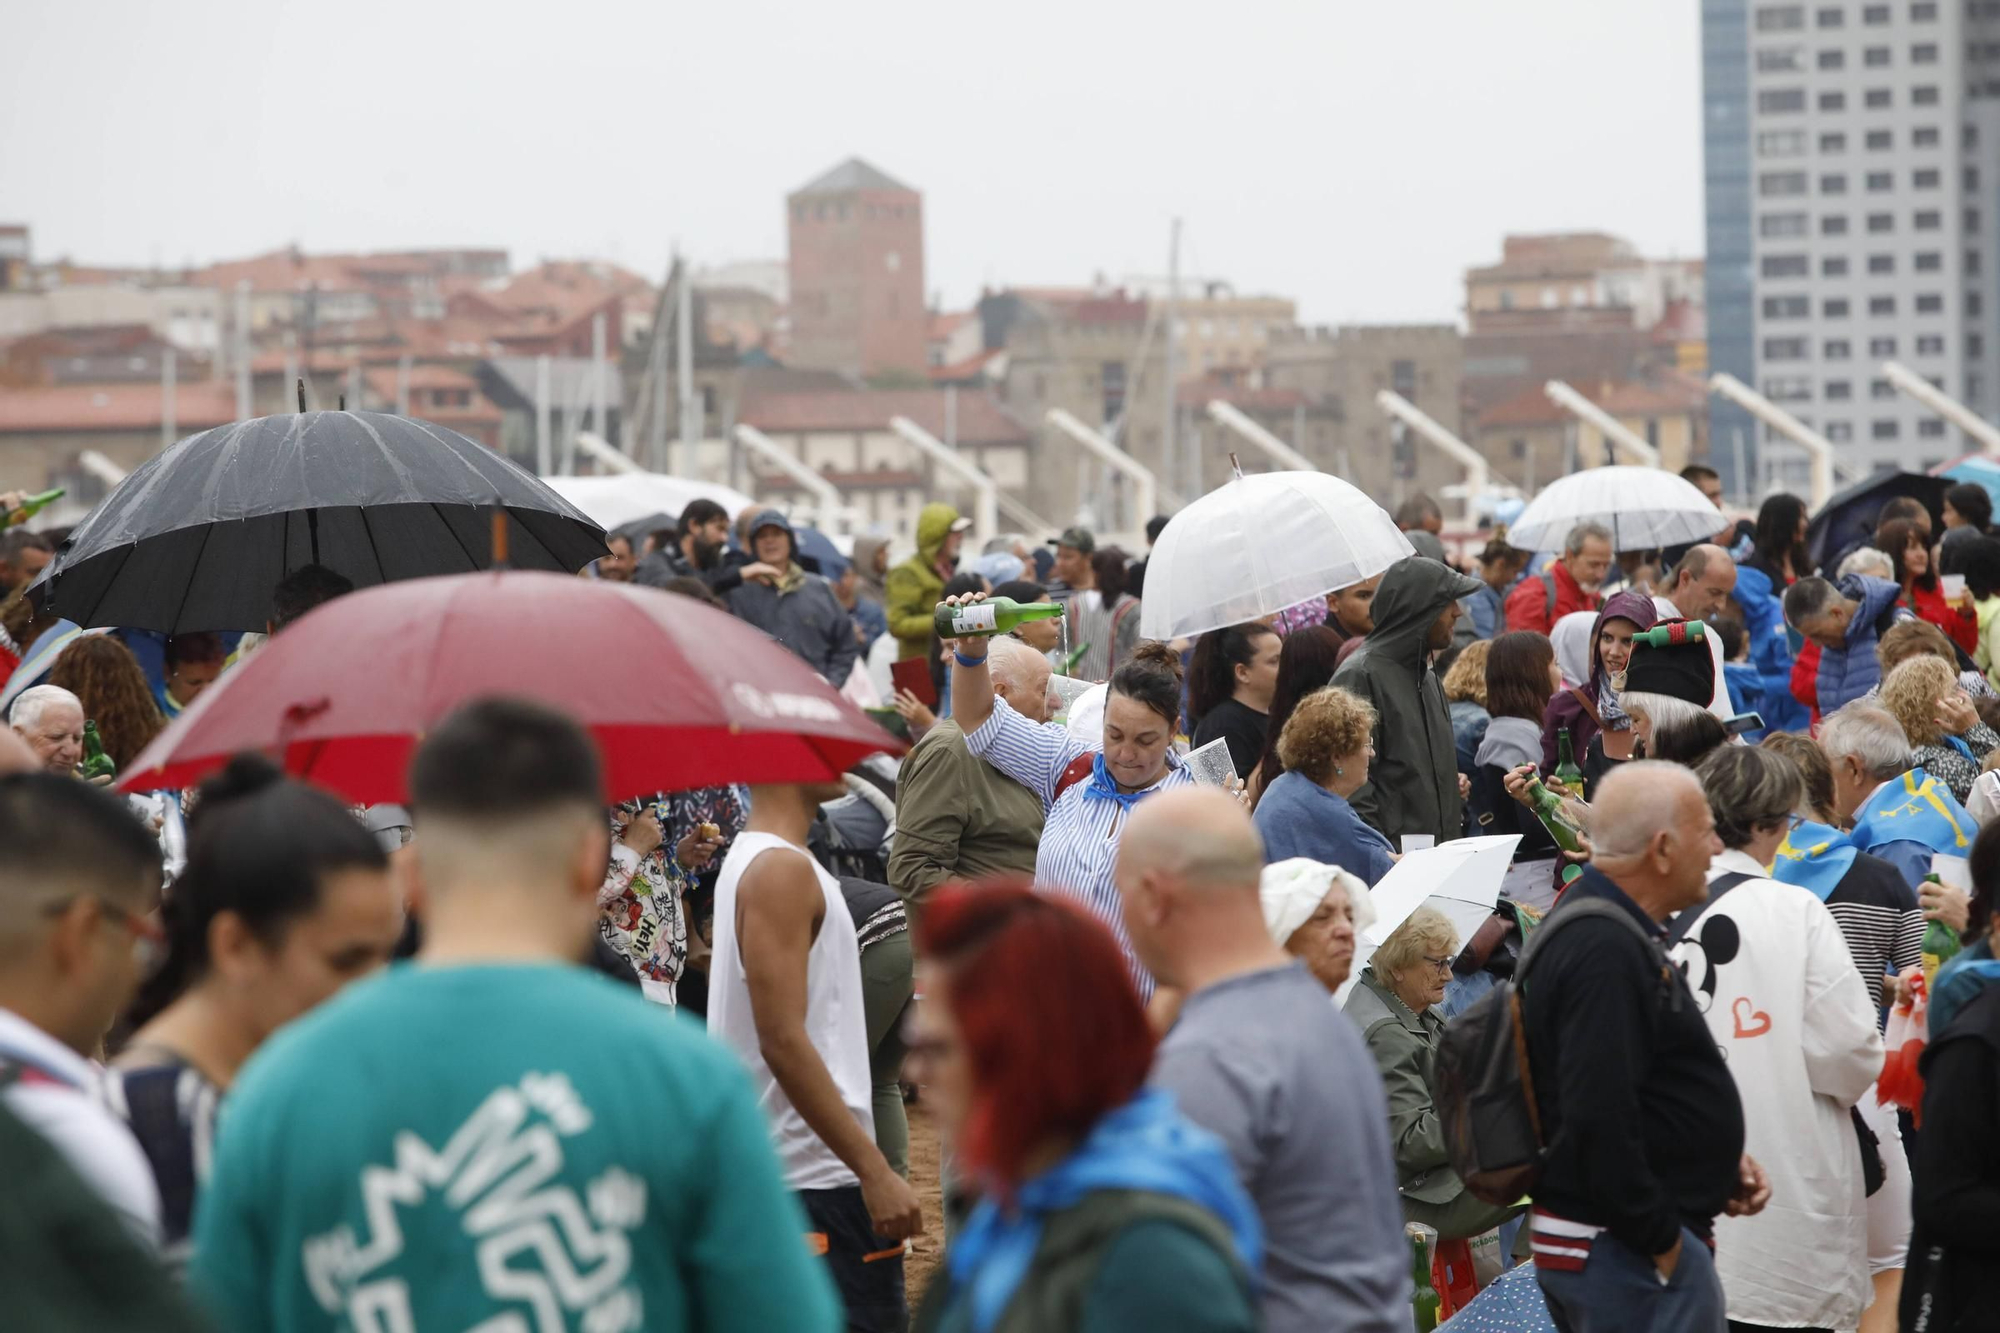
{"type": "Point", "coordinates": [114, 407]}
{"type": "Point", "coordinates": [853, 174]}
{"type": "Point", "coordinates": [980, 418]}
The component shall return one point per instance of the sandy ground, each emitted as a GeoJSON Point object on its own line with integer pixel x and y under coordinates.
{"type": "Point", "coordinates": [928, 1249]}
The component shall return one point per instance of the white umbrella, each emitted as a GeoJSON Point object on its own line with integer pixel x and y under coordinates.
{"type": "Point", "coordinates": [1643, 507]}
{"type": "Point", "coordinates": [1460, 878]}
{"type": "Point", "coordinates": [1260, 544]}
{"type": "Point", "coordinates": [617, 500]}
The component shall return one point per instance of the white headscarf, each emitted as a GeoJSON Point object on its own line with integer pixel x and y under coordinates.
{"type": "Point", "coordinates": [1984, 802]}
{"type": "Point", "coordinates": [1293, 889]}
{"type": "Point", "coordinates": [1571, 638]}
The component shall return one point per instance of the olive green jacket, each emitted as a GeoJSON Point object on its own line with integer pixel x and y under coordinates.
{"type": "Point", "coordinates": [1404, 1043]}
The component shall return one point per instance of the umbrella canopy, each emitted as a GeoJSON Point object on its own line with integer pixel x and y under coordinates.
{"type": "Point", "coordinates": [617, 500]}
{"type": "Point", "coordinates": [1643, 507]}
{"type": "Point", "coordinates": [1980, 470]}
{"type": "Point", "coordinates": [1460, 878]}
{"type": "Point", "coordinates": [677, 694]}
{"type": "Point", "coordinates": [820, 550]}
{"type": "Point", "coordinates": [1259, 544]}
{"type": "Point", "coordinates": [1847, 521]}
{"type": "Point", "coordinates": [197, 538]}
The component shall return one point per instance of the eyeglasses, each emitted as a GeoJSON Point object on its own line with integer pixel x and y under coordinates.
{"type": "Point", "coordinates": [149, 938]}
{"type": "Point", "coordinates": [1442, 966]}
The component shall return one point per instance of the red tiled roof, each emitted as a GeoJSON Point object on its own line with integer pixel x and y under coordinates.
{"type": "Point", "coordinates": [968, 368]}
{"type": "Point", "coordinates": [383, 380]}
{"type": "Point", "coordinates": [945, 323]}
{"type": "Point", "coordinates": [981, 418]}
{"type": "Point", "coordinates": [109, 407]}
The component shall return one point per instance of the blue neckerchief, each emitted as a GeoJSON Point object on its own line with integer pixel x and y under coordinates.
{"type": "Point", "coordinates": [1102, 788]}
{"type": "Point", "coordinates": [1959, 982]}
{"type": "Point", "coordinates": [1915, 808]}
{"type": "Point", "coordinates": [1959, 745]}
{"type": "Point", "coordinates": [1143, 1145]}
{"type": "Point", "coordinates": [1813, 857]}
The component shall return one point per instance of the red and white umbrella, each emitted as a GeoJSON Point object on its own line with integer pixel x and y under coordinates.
{"type": "Point", "coordinates": [677, 694]}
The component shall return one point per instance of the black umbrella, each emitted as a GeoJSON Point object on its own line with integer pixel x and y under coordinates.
{"type": "Point", "coordinates": [198, 537]}
{"type": "Point", "coordinates": [1847, 521]}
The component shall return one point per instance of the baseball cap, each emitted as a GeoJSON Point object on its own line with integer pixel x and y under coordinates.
{"type": "Point", "coordinates": [1075, 538]}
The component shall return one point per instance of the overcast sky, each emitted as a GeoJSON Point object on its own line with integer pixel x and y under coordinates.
{"type": "Point", "coordinates": [1354, 154]}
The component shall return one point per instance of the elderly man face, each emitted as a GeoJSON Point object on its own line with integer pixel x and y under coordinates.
{"type": "Point", "coordinates": [56, 736]}
{"type": "Point", "coordinates": [1589, 565]}
{"type": "Point", "coordinates": [1701, 596]}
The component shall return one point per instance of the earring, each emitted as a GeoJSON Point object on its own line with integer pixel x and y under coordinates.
{"type": "Point", "coordinates": [1338, 771]}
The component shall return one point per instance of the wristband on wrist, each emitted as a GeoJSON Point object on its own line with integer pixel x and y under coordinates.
{"type": "Point", "coordinates": [965, 661]}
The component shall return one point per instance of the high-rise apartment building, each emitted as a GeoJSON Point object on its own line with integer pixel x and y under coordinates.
{"type": "Point", "coordinates": [1853, 201]}
{"type": "Point", "coordinates": [856, 272]}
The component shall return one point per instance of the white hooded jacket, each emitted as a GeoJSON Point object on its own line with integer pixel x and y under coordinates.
{"type": "Point", "coordinates": [1786, 1005]}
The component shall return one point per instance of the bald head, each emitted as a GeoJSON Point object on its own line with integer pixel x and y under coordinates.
{"type": "Point", "coordinates": [1652, 832]}
{"type": "Point", "coordinates": [1702, 582]}
{"type": "Point", "coordinates": [1200, 835]}
{"type": "Point", "coordinates": [1020, 676]}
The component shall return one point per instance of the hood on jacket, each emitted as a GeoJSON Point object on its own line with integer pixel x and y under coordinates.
{"type": "Point", "coordinates": [1413, 593]}
{"type": "Point", "coordinates": [1874, 595]}
{"type": "Point", "coordinates": [1636, 607]}
{"type": "Point", "coordinates": [934, 524]}
{"type": "Point", "coordinates": [864, 559]}
{"type": "Point", "coordinates": [771, 518]}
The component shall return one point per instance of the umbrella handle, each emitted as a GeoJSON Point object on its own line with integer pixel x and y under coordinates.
{"type": "Point", "coordinates": [499, 539]}
{"type": "Point", "coordinates": [302, 393]}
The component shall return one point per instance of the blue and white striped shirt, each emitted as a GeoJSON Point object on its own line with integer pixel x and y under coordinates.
{"type": "Point", "coordinates": [1079, 844]}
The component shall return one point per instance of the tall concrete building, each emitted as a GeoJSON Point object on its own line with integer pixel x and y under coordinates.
{"type": "Point", "coordinates": [1853, 200]}
{"type": "Point", "coordinates": [856, 273]}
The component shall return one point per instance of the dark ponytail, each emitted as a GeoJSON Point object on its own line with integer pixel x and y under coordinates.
{"type": "Point", "coordinates": [1152, 676]}
{"type": "Point", "coordinates": [1212, 672]}
{"type": "Point", "coordinates": [259, 845]}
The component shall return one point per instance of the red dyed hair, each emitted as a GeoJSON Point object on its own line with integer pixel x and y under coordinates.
{"type": "Point", "coordinates": [1045, 1006]}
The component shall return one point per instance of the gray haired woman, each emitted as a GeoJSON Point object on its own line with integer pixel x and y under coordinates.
{"type": "Point", "coordinates": [1395, 1004]}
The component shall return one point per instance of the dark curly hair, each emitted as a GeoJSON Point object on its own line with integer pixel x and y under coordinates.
{"type": "Point", "coordinates": [103, 674]}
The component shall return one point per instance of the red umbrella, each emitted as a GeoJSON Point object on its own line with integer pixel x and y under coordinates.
{"type": "Point", "coordinates": [677, 694]}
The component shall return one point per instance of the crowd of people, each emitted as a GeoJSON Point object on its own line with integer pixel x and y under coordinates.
{"type": "Point", "coordinates": [506, 1057]}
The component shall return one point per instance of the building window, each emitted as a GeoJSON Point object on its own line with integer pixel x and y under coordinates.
{"type": "Point", "coordinates": [1880, 139]}
{"type": "Point", "coordinates": [1785, 266]}
{"type": "Point", "coordinates": [1975, 304]}
{"type": "Point", "coordinates": [1785, 349]}
{"type": "Point", "coordinates": [1875, 15]}
{"type": "Point", "coordinates": [1881, 263]}
{"type": "Point", "coordinates": [1782, 224]}
{"type": "Point", "coordinates": [1930, 428]}
{"type": "Point", "coordinates": [1881, 390]}
{"type": "Point", "coordinates": [1971, 263]}
{"type": "Point", "coordinates": [1924, 53]}
{"type": "Point", "coordinates": [1836, 349]}
{"type": "Point", "coordinates": [1830, 18]}
{"type": "Point", "coordinates": [1877, 98]}
{"type": "Point", "coordinates": [1839, 432]}
{"type": "Point", "coordinates": [1787, 307]}
{"type": "Point", "coordinates": [1832, 308]}
{"type": "Point", "coordinates": [1839, 391]}
{"type": "Point", "coordinates": [1930, 344]}
{"type": "Point", "coordinates": [1789, 389]}
{"type": "Point", "coordinates": [1925, 136]}
{"type": "Point", "coordinates": [1924, 11]}
{"type": "Point", "coordinates": [1833, 58]}
{"type": "Point", "coordinates": [1875, 57]}
{"type": "Point", "coordinates": [1884, 430]}
{"type": "Point", "coordinates": [1881, 347]}
{"type": "Point", "coordinates": [1776, 101]}
{"type": "Point", "coordinates": [1780, 59]}
{"type": "Point", "coordinates": [1833, 184]}
{"type": "Point", "coordinates": [1881, 305]}
{"type": "Point", "coordinates": [1781, 143]}
{"type": "Point", "coordinates": [1928, 220]}
{"type": "Point", "coordinates": [1929, 261]}
{"type": "Point", "coordinates": [1924, 96]}
{"type": "Point", "coordinates": [1833, 143]}
{"type": "Point", "coordinates": [1833, 224]}
{"type": "Point", "coordinates": [1833, 266]}
{"type": "Point", "coordinates": [1878, 181]}
{"type": "Point", "coordinates": [1833, 101]}
{"type": "Point", "coordinates": [1879, 223]}
{"type": "Point", "coordinates": [1924, 179]}
{"type": "Point", "coordinates": [1781, 18]}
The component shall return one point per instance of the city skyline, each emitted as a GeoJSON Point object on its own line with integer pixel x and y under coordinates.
{"type": "Point", "coordinates": [369, 136]}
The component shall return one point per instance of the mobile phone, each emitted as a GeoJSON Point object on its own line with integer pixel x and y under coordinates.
{"type": "Point", "coordinates": [1744, 723]}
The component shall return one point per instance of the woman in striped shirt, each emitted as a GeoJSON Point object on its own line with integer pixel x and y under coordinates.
{"type": "Point", "coordinates": [1088, 794]}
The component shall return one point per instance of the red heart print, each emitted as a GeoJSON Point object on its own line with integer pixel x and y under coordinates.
{"type": "Point", "coordinates": [1750, 1020]}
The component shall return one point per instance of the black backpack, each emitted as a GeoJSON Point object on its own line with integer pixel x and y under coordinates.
{"type": "Point", "coordinates": [1485, 1091]}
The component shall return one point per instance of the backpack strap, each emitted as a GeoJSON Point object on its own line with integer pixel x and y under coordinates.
{"type": "Point", "coordinates": [1575, 909]}
{"type": "Point", "coordinates": [1589, 705]}
{"type": "Point", "coordinates": [1079, 768]}
{"type": "Point", "coordinates": [1720, 885]}
{"type": "Point", "coordinates": [1548, 577]}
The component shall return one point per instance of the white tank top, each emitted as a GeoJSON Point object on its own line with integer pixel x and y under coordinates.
{"type": "Point", "coordinates": [835, 1023]}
